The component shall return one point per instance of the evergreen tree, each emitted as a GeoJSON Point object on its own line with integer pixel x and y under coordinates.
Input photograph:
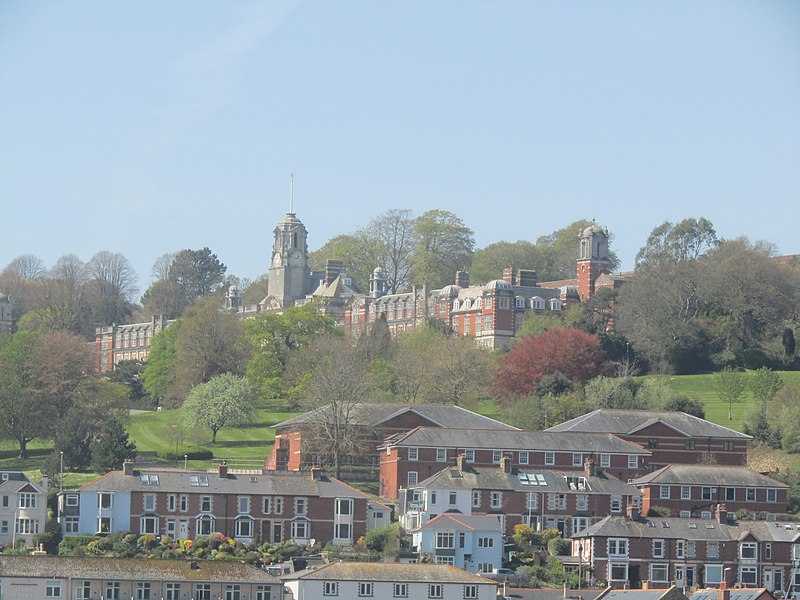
{"type": "Point", "coordinates": [112, 446]}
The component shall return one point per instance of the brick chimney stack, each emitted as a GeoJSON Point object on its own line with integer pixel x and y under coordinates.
{"type": "Point", "coordinates": [508, 276]}
{"type": "Point", "coordinates": [721, 513]}
{"type": "Point", "coordinates": [223, 470]}
{"type": "Point", "coordinates": [462, 279]}
{"type": "Point", "coordinates": [590, 467]}
{"type": "Point", "coordinates": [632, 512]}
{"type": "Point", "coordinates": [505, 464]}
{"type": "Point", "coordinates": [460, 462]}
{"type": "Point", "coordinates": [333, 268]}
{"type": "Point", "coordinates": [127, 467]}
{"type": "Point", "coordinates": [316, 473]}
{"type": "Point", "coordinates": [527, 278]}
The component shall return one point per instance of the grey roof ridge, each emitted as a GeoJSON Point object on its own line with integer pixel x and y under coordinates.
{"type": "Point", "coordinates": [472, 412]}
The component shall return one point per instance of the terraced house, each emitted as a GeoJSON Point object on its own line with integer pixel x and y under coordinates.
{"type": "Point", "coordinates": [264, 507]}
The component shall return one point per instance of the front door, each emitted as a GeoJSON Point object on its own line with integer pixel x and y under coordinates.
{"type": "Point", "coordinates": [768, 579]}
{"type": "Point", "coordinates": [680, 576]}
{"type": "Point", "coordinates": [777, 579]}
{"type": "Point", "coordinates": [277, 532]}
{"type": "Point", "coordinates": [183, 529]}
{"type": "Point", "coordinates": [689, 576]}
{"type": "Point", "coordinates": [633, 577]}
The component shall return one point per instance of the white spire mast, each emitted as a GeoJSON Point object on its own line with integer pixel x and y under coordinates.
{"type": "Point", "coordinates": [291, 193]}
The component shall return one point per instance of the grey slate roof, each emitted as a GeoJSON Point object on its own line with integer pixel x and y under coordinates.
{"type": "Point", "coordinates": [269, 483]}
{"type": "Point", "coordinates": [435, 437]}
{"type": "Point", "coordinates": [551, 594]}
{"type": "Point", "coordinates": [487, 478]}
{"type": "Point", "coordinates": [128, 569]}
{"type": "Point", "coordinates": [399, 572]}
{"type": "Point", "coordinates": [458, 522]}
{"type": "Point", "coordinates": [735, 594]}
{"type": "Point", "coordinates": [373, 415]}
{"type": "Point", "coordinates": [692, 529]}
{"type": "Point", "coordinates": [708, 475]}
{"type": "Point", "coordinates": [635, 594]}
{"type": "Point", "coordinates": [630, 421]}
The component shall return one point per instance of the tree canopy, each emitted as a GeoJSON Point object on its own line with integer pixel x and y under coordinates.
{"type": "Point", "coordinates": [224, 401]}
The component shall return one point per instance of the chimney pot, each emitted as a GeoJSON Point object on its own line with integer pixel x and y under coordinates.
{"type": "Point", "coordinates": [462, 279]}
{"type": "Point", "coordinates": [223, 470]}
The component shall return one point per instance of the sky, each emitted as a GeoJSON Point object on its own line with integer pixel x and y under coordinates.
{"type": "Point", "coordinates": [148, 127]}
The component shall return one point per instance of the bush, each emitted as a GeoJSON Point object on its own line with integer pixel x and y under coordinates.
{"type": "Point", "coordinates": [559, 547]}
{"type": "Point", "coordinates": [196, 455]}
{"type": "Point", "coordinates": [74, 545]}
{"type": "Point", "coordinates": [659, 511]}
{"type": "Point", "coordinates": [744, 515]}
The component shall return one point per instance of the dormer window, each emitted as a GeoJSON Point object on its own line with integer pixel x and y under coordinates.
{"type": "Point", "coordinates": [456, 304]}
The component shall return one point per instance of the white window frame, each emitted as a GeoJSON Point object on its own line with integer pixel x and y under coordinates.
{"type": "Point", "coordinates": [686, 492]}
{"type": "Point", "coordinates": [661, 567]}
{"type": "Point", "coordinates": [441, 455]}
{"type": "Point", "coordinates": [664, 492]}
{"type": "Point", "coordinates": [658, 548]}
{"type": "Point", "coordinates": [605, 461]}
{"type": "Point", "coordinates": [413, 454]}
{"type": "Point", "coordinates": [523, 458]}
{"type": "Point", "coordinates": [549, 459]}
{"type": "Point", "coordinates": [633, 461]}
{"type": "Point", "coordinates": [577, 459]}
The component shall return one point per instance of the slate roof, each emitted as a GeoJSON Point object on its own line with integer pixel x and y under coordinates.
{"type": "Point", "coordinates": [551, 594]}
{"type": "Point", "coordinates": [635, 594]}
{"type": "Point", "coordinates": [269, 483]}
{"type": "Point", "coordinates": [434, 437]}
{"type": "Point", "coordinates": [458, 522]}
{"type": "Point", "coordinates": [692, 529]}
{"type": "Point", "coordinates": [631, 421]}
{"type": "Point", "coordinates": [487, 478]}
{"type": "Point", "coordinates": [708, 474]}
{"type": "Point", "coordinates": [64, 567]}
{"type": "Point", "coordinates": [399, 572]}
{"type": "Point", "coordinates": [735, 594]}
{"type": "Point", "coordinates": [373, 415]}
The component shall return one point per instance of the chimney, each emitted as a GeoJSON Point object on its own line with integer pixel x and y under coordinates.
{"type": "Point", "coordinates": [645, 585]}
{"type": "Point", "coordinates": [505, 464]}
{"type": "Point", "coordinates": [508, 276]}
{"type": "Point", "coordinates": [127, 467]}
{"type": "Point", "coordinates": [223, 470]}
{"type": "Point", "coordinates": [333, 268]}
{"type": "Point", "coordinates": [590, 467]}
{"type": "Point", "coordinates": [723, 593]}
{"type": "Point", "coordinates": [632, 512]}
{"type": "Point", "coordinates": [721, 513]}
{"type": "Point", "coordinates": [527, 278]}
{"type": "Point", "coordinates": [460, 463]}
{"type": "Point", "coordinates": [316, 473]}
{"type": "Point", "coordinates": [462, 279]}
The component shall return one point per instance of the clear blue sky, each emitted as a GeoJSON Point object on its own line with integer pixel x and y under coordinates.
{"type": "Point", "coordinates": [147, 127]}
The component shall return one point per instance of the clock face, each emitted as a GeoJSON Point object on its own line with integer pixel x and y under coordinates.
{"type": "Point", "coordinates": [296, 258]}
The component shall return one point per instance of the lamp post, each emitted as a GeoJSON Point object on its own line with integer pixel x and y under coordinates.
{"type": "Point", "coordinates": [185, 459]}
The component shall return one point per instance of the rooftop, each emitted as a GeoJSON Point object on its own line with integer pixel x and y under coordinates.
{"type": "Point", "coordinates": [703, 474]}
{"type": "Point", "coordinates": [399, 572]}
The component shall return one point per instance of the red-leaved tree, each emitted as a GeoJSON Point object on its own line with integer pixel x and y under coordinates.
{"type": "Point", "coordinates": [572, 352]}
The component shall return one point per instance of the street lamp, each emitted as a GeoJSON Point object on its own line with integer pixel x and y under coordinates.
{"type": "Point", "coordinates": [185, 458]}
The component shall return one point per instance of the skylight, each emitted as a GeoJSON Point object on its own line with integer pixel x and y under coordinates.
{"type": "Point", "coordinates": [532, 479]}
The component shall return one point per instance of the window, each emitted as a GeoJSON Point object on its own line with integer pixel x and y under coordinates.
{"type": "Point", "coordinates": [452, 498]}
{"type": "Point", "coordinates": [582, 502]}
{"type": "Point", "coordinates": [300, 506]}
{"type": "Point", "coordinates": [263, 592]}
{"type": "Point", "coordinates": [476, 498]}
{"type": "Point", "coordinates": [688, 444]}
{"type": "Point", "coordinates": [202, 591]}
{"type": "Point", "coordinates": [727, 446]}
{"type": "Point", "coordinates": [72, 500]}
{"type": "Point", "coordinates": [205, 504]}
{"type": "Point", "coordinates": [445, 560]}
{"type": "Point", "coordinates": [658, 548]}
{"type": "Point", "coordinates": [366, 588]}
{"type": "Point", "coordinates": [616, 504]}
{"type": "Point", "coordinates": [680, 549]}
{"type": "Point", "coordinates": [659, 572]}
{"type": "Point", "coordinates": [556, 501]}
{"type": "Point", "coordinates": [751, 494]}
{"type": "Point", "coordinates": [104, 500]}
{"type": "Point", "coordinates": [523, 458]}
{"type": "Point", "coordinates": [27, 500]}
{"type": "Point", "coordinates": [469, 456]}
{"type": "Point", "coordinates": [496, 456]}
{"type": "Point", "coordinates": [577, 459]}
{"type": "Point", "coordinates": [497, 499]}
{"type": "Point", "coordinates": [664, 492]}
{"type": "Point", "coordinates": [705, 493]}
{"type": "Point", "coordinates": [52, 589]}
{"type": "Point", "coordinates": [243, 504]}
{"type": "Point", "coordinates": [471, 591]}
{"type": "Point", "coordinates": [343, 531]}
{"type": "Point", "coordinates": [5, 501]}
{"type": "Point", "coordinates": [549, 459]}
{"type": "Point", "coordinates": [730, 494]}
{"type": "Point", "coordinates": [748, 550]}
{"type": "Point", "coordinates": [400, 590]}
{"type": "Point", "coordinates": [712, 549]}
{"type": "Point", "coordinates": [617, 547]}
{"type": "Point", "coordinates": [652, 443]}
{"type": "Point", "coordinates": [330, 588]}
{"type": "Point", "coordinates": [198, 480]}
{"type": "Point", "coordinates": [150, 502]}
{"type": "Point", "coordinates": [143, 591]}
{"type": "Point", "coordinates": [617, 572]}
{"type": "Point", "coordinates": [713, 574]}
{"type": "Point", "coordinates": [748, 576]}
{"type": "Point", "coordinates": [441, 455]}
{"type": "Point", "coordinates": [103, 524]}
{"type": "Point", "coordinates": [205, 525]}
{"type": "Point", "coordinates": [605, 461]}
{"type": "Point", "coordinates": [413, 454]}
{"type": "Point", "coordinates": [70, 524]}
{"type": "Point", "coordinates": [172, 503]}
{"type": "Point", "coordinates": [772, 495]}
{"type": "Point", "coordinates": [462, 537]}
{"type": "Point", "coordinates": [445, 540]}
{"type": "Point", "coordinates": [113, 590]}
{"type": "Point", "coordinates": [173, 591]}
{"type": "Point", "coordinates": [277, 505]}
{"type": "Point", "coordinates": [171, 528]}
{"type": "Point", "coordinates": [148, 525]}
{"type": "Point", "coordinates": [184, 504]}
{"type": "Point", "coordinates": [300, 530]}
{"type": "Point", "coordinates": [485, 542]}
{"type": "Point", "coordinates": [686, 492]}
{"type": "Point", "coordinates": [485, 567]}
{"type": "Point", "coordinates": [413, 477]}
{"type": "Point", "coordinates": [344, 506]}
{"type": "Point", "coordinates": [436, 590]}
{"type": "Point", "coordinates": [633, 461]}
{"type": "Point", "coordinates": [579, 524]}
{"type": "Point", "coordinates": [532, 501]}
{"type": "Point", "coordinates": [244, 528]}
{"type": "Point", "coordinates": [233, 592]}
{"type": "Point", "coordinates": [83, 590]}
{"type": "Point", "coordinates": [767, 551]}
{"type": "Point", "coordinates": [148, 479]}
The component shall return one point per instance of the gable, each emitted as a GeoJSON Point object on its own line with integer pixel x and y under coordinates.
{"type": "Point", "coordinates": [406, 420]}
{"type": "Point", "coordinates": [656, 429]}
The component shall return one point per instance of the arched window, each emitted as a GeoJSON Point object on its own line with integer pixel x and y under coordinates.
{"type": "Point", "coordinates": [456, 304]}
{"type": "Point", "coordinates": [519, 302]}
{"type": "Point", "coordinates": [478, 302]}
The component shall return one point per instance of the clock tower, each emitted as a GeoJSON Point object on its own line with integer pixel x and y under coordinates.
{"type": "Point", "coordinates": [288, 271]}
{"type": "Point", "coordinates": [593, 259]}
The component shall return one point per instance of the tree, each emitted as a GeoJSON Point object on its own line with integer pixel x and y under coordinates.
{"type": "Point", "coordinates": [574, 353]}
{"type": "Point", "coordinates": [112, 286]}
{"type": "Point", "coordinates": [129, 374]}
{"type": "Point", "coordinates": [60, 299]}
{"type": "Point", "coordinates": [112, 447]}
{"type": "Point", "coordinates": [788, 342]}
{"type": "Point", "coordinates": [19, 280]}
{"type": "Point", "coordinates": [559, 251]}
{"type": "Point", "coordinates": [270, 338]}
{"type": "Point", "coordinates": [442, 246]}
{"type": "Point", "coordinates": [686, 405]}
{"type": "Point", "coordinates": [673, 243]}
{"type": "Point", "coordinates": [615, 393]}
{"type": "Point", "coordinates": [255, 291]}
{"type": "Point", "coordinates": [730, 387]}
{"type": "Point", "coordinates": [764, 384]}
{"type": "Point", "coordinates": [196, 272]}
{"type": "Point", "coordinates": [158, 375]}
{"type": "Point", "coordinates": [489, 262]}
{"type": "Point", "coordinates": [392, 236]}
{"type": "Point", "coordinates": [163, 297]}
{"type": "Point", "coordinates": [225, 401]}
{"type": "Point", "coordinates": [358, 256]}
{"type": "Point", "coordinates": [338, 383]}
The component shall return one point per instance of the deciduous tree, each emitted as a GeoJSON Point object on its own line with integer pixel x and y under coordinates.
{"type": "Point", "coordinates": [224, 401]}
{"type": "Point", "coordinates": [443, 244]}
{"type": "Point", "coordinates": [489, 262]}
{"type": "Point", "coordinates": [731, 385]}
